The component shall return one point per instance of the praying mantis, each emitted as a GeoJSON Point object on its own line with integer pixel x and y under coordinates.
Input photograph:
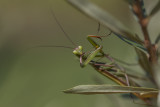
{"type": "Point", "coordinates": [111, 70]}
{"type": "Point", "coordinates": [98, 52]}
{"type": "Point", "coordinates": [101, 67]}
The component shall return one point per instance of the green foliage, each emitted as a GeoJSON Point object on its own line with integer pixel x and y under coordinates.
{"type": "Point", "coordinates": [155, 9]}
{"type": "Point", "coordinates": [109, 89]}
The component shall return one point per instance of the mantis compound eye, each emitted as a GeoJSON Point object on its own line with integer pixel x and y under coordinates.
{"type": "Point", "coordinates": [75, 52]}
{"type": "Point", "coordinates": [80, 47]}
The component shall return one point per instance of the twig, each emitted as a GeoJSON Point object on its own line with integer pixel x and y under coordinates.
{"type": "Point", "coordinates": [143, 21]}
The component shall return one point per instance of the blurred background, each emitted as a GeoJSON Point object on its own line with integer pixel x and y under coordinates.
{"type": "Point", "coordinates": [36, 77]}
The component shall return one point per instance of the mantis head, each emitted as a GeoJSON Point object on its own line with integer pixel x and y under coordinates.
{"type": "Point", "coordinates": [78, 50]}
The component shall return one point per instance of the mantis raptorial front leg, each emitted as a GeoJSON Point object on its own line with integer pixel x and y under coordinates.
{"type": "Point", "coordinates": [89, 57]}
{"type": "Point", "coordinates": [98, 49]}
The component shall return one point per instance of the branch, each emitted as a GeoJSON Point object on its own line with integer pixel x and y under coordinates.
{"type": "Point", "coordinates": [143, 21]}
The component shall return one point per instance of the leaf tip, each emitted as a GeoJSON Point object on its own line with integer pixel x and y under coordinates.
{"type": "Point", "coordinates": [68, 91]}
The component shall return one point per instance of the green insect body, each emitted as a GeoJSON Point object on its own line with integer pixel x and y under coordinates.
{"type": "Point", "coordinates": [78, 52]}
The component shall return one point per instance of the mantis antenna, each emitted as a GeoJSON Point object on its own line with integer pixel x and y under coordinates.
{"type": "Point", "coordinates": [66, 35]}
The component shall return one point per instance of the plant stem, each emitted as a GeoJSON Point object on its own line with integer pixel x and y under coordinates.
{"type": "Point", "coordinates": [143, 21]}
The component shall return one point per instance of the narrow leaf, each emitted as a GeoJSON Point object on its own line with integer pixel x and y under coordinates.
{"type": "Point", "coordinates": [143, 61]}
{"type": "Point", "coordinates": [155, 9]}
{"type": "Point", "coordinates": [149, 94]}
{"type": "Point", "coordinates": [103, 17]}
{"type": "Point", "coordinates": [157, 79]}
{"type": "Point", "coordinates": [108, 89]}
{"type": "Point", "coordinates": [143, 9]}
{"type": "Point", "coordinates": [157, 39]}
{"type": "Point", "coordinates": [133, 43]}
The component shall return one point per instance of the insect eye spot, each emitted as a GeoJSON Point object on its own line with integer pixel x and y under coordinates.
{"type": "Point", "coordinates": [75, 52]}
{"type": "Point", "coordinates": [80, 47]}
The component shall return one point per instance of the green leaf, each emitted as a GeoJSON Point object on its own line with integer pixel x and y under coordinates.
{"type": "Point", "coordinates": [133, 43]}
{"type": "Point", "coordinates": [157, 39]}
{"type": "Point", "coordinates": [157, 74]}
{"type": "Point", "coordinates": [103, 17]}
{"type": "Point", "coordinates": [157, 79]}
{"type": "Point", "coordinates": [155, 9]}
{"type": "Point", "coordinates": [108, 89]}
{"type": "Point", "coordinates": [149, 95]}
{"type": "Point", "coordinates": [143, 61]}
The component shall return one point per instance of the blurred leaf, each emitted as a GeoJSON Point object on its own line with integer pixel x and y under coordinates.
{"type": "Point", "coordinates": [143, 61]}
{"type": "Point", "coordinates": [155, 9]}
{"type": "Point", "coordinates": [143, 8]}
{"type": "Point", "coordinates": [157, 79]}
{"type": "Point", "coordinates": [157, 39]}
{"type": "Point", "coordinates": [133, 43]}
{"type": "Point", "coordinates": [108, 89]}
{"type": "Point", "coordinates": [149, 95]}
{"type": "Point", "coordinates": [158, 100]}
{"type": "Point", "coordinates": [103, 17]}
